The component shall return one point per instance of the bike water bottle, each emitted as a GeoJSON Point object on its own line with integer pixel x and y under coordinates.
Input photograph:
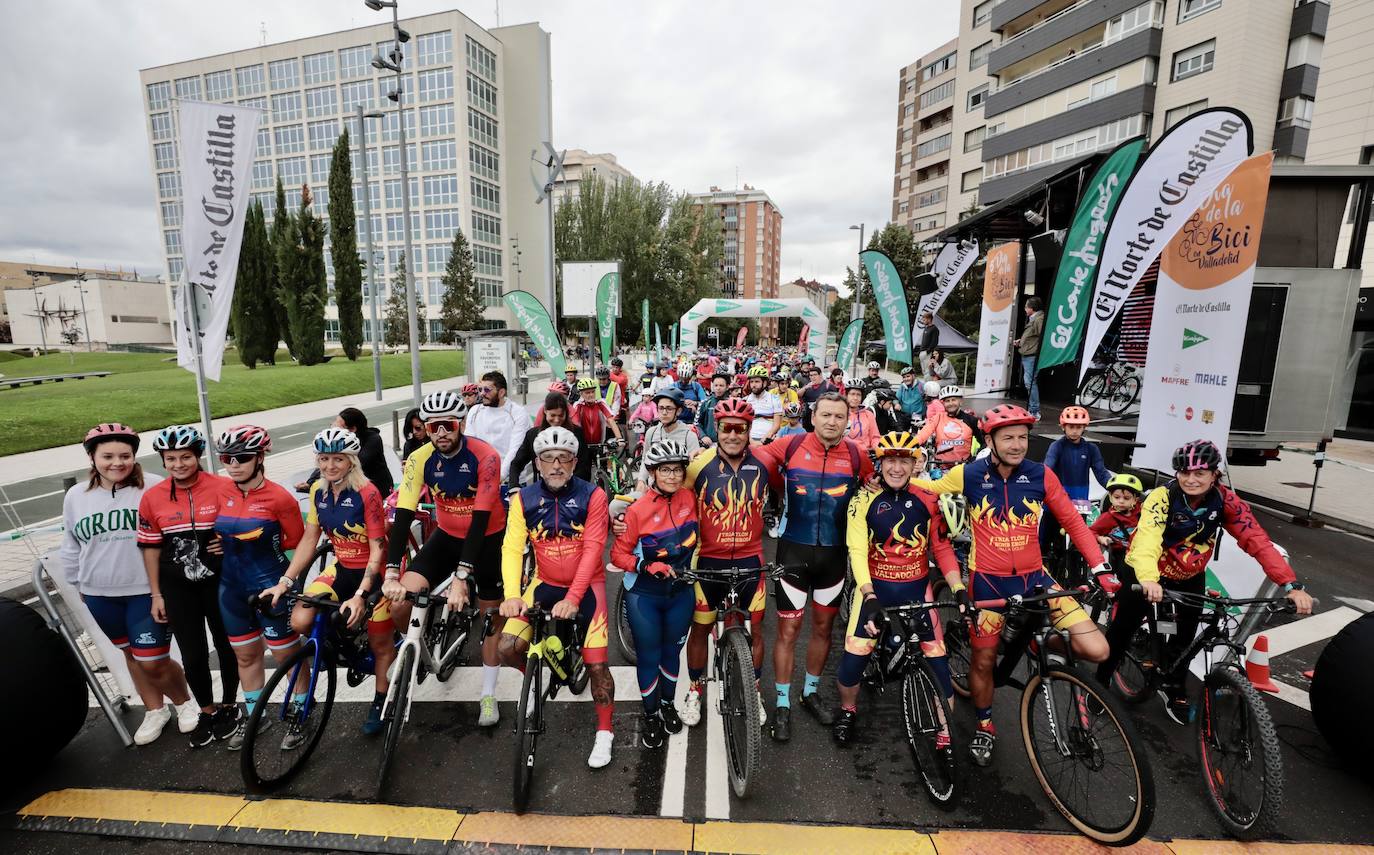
{"type": "Point", "coordinates": [557, 656]}
{"type": "Point", "coordinates": [1013, 625]}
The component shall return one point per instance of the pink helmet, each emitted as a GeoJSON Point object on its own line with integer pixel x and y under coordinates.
{"type": "Point", "coordinates": [244, 439]}
{"type": "Point", "coordinates": [109, 431]}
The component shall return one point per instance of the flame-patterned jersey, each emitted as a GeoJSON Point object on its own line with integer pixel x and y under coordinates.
{"type": "Point", "coordinates": [467, 480]}
{"type": "Point", "coordinates": [1176, 540]}
{"type": "Point", "coordinates": [1004, 515]}
{"type": "Point", "coordinates": [892, 532]}
{"type": "Point", "coordinates": [730, 503]}
{"type": "Point", "coordinates": [349, 519]}
{"type": "Point", "coordinates": [256, 530]}
{"type": "Point", "coordinates": [567, 529]}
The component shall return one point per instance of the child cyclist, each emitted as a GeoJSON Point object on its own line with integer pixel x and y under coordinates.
{"type": "Point", "coordinates": [1116, 524]}
{"type": "Point", "coordinates": [791, 420]}
{"type": "Point", "coordinates": [1073, 459]}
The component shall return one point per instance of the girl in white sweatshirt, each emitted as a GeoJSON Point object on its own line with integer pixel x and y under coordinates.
{"type": "Point", "coordinates": [101, 558]}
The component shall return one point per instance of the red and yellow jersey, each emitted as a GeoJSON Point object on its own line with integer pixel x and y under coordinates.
{"type": "Point", "coordinates": [468, 480]}
{"type": "Point", "coordinates": [350, 520]}
{"type": "Point", "coordinates": [1175, 540]}
{"type": "Point", "coordinates": [953, 437]}
{"type": "Point", "coordinates": [729, 503]}
{"type": "Point", "coordinates": [567, 529]}
{"type": "Point", "coordinates": [891, 533]}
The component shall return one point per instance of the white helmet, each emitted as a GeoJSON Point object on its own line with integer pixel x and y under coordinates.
{"type": "Point", "coordinates": [439, 405]}
{"type": "Point", "coordinates": [555, 439]}
{"type": "Point", "coordinates": [873, 365]}
{"type": "Point", "coordinates": [931, 389]}
{"type": "Point", "coordinates": [951, 391]}
{"type": "Point", "coordinates": [665, 451]}
{"type": "Point", "coordinates": [337, 440]}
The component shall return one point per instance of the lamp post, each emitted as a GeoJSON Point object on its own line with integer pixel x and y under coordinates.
{"type": "Point", "coordinates": [856, 310]}
{"type": "Point", "coordinates": [392, 62]}
{"type": "Point", "coordinates": [371, 255]}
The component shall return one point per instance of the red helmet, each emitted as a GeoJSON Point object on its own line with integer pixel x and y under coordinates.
{"type": "Point", "coordinates": [1075, 416]}
{"type": "Point", "coordinates": [1004, 415]}
{"type": "Point", "coordinates": [560, 387]}
{"type": "Point", "coordinates": [471, 389]}
{"type": "Point", "coordinates": [734, 408]}
{"type": "Point", "coordinates": [244, 439]}
{"type": "Point", "coordinates": [109, 431]}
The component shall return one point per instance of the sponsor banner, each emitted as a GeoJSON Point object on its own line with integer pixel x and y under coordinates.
{"type": "Point", "coordinates": [955, 260]}
{"type": "Point", "coordinates": [849, 344]}
{"type": "Point", "coordinates": [1000, 278]}
{"type": "Point", "coordinates": [658, 341]}
{"type": "Point", "coordinates": [607, 299]}
{"type": "Point", "coordinates": [1073, 282]}
{"type": "Point", "coordinates": [217, 146]}
{"type": "Point", "coordinates": [1179, 171]}
{"type": "Point", "coordinates": [891, 299]}
{"type": "Point", "coordinates": [534, 320]}
{"type": "Point", "coordinates": [1201, 306]}
{"type": "Point", "coordinates": [741, 336]}
{"type": "Point", "coordinates": [801, 340]}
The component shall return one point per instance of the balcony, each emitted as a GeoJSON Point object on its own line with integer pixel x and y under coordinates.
{"type": "Point", "coordinates": [1130, 102]}
{"type": "Point", "coordinates": [1059, 27]}
{"type": "Point", "coordinates": [1299, 80]}
{"type": "Point", "coordinates": [1008, 11]}
{"type": "Point", "coordinates": [1309, 19]}
{"type": "Point", "coordinates": [1074, 69]}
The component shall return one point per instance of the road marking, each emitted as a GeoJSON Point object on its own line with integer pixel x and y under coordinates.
{"type": "Point", "coordinates": [1365, 606]}
{"type": "Point", "coordinates": [717, 779]}
{"type": "Point", "coordinates": [674, 798]}
{"type": "Point", "coordinates": [373, 820]}
{"type": "Point", "coordinates": [1300, 633]}
{"type": "Point", "coordinates": [289, 435]}
{"type": "Point", "coordinates": [39, 496]}
{"type": "Point", "coordinates": [1293, 695]}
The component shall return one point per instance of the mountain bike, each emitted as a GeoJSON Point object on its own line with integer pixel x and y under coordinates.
{"type": "Point", "coordinates": [1083, 749]}
{"type": "Point", "coordinates": [553, 660]}
{"type": "Point", "coordinates": [610, 472]}
{"type": "Point", "coordinates": [1118, 384]}
{"type": "Point", "coordinates": [619, 616]}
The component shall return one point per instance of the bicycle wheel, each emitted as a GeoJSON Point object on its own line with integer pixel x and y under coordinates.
{"type": "Point", "coordinates": [528, 720]}
{"type": "Point", "coordinates": [397, 722]}
{"type": "Point", "coordinates": [624, 636]}
{"type": "Point", "coordinates": [741, 711]}
{"type": "Point", "coordinates": [264, 763]}
{"type": "Point", "coordinates": [927, 717]}
{"type": "Point", "coordinates": [957, 647]}
{"type": "Point", "coordinates": [453, 636]}
{"type": "Point", "coordinates": [1238, 750]}
{"type": "Point", "coordinates": [1092, 390]}
{"type": "Point", "coordinates": [1087, 756]}
{"type": "Point", "coordinates": [1133, 679]}
{"type": "Point", "coordinates": [1124, 394]}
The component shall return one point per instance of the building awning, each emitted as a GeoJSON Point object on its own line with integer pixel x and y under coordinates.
{"type": "Point", "coordinates": [1054, 198]}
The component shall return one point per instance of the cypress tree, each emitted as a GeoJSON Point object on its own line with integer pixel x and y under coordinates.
{"type": "Point", "coordinates": [254, 311]}
{"type": "Point", "coordinates": [300, 262]}
{"type": "Point", "coordinates": [397, 331]}
{"type": "Point", "coordinates": [343, 238]}
{"type": "Point", "coordinates": [281, 223]}
{"type": "Point", "coordinates": [461, 308]}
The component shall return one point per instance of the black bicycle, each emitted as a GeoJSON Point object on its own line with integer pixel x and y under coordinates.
{"type": "Point", "coordinates": [1118, 384]}
{"type": "Point", "coordinates": [554, 660]}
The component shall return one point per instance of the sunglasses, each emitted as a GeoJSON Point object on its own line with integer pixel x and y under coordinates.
{"type": "Point", "coordinates": [442, 426]}
{"type": "Point", "coordinates": [731, 427]}
{"type": "Point", "coordinates": [226, 459]}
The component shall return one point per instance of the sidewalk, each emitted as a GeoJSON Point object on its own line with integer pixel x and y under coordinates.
{"type": "Point", "coordinates": [1344, 483]}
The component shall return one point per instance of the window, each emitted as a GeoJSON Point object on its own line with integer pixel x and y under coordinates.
{"type": "Point", "coordinates": [1188, 9]}
{"type": "Point", "coordinates": [481, 128]}
{"type": "Point", "coordinates": [934, 197]}
{"type": "Point", "coordinates": [970, 180]}
{"type": "Point", "coordinates": [938, 94]}
{"type": "Point", "coordinates": [481, 59]}
{"type": "Point", "coordinates": [940, 66]}
{"type": "Point", "coordinates": [219, 86]}
{"type": "Point", "coordinates": [284, 74]}
{"type": "Point", "coordinates": [323, 135]}
{"type": "Point", "coordinates": [292, 172]}
{"type": "Point", "coordinates": [909, 110]}
{"type": "Point", "coordinates": [290, 139]}
{"type": "Point", "coordinates": [286, 107]}
{"type": "Point", "coordinates": [1141, 17]}
{"type": "Point", "coordinates": [1296, 112]}
{"type": "Point", "coordinates": [481, 93]}
{"type": "Point", "coordinates": [977, 96]}
{"type": "Point", "coordinates": [485, 194]}
{"type": "Point", "coordinates": [353, 94]}
{"type": "Point", "coordinates": [168, 185]}
{"type": "Point", "coordinates": [434, 48]}
{"type": "Point", "coordinates": [392, 190]}
{"type": "Point", "coordinates": [441, 190]}
{"type": "Point", "coordinates": [171, 214]}
{"type": "Point", "coordinates": [436, 119]}
{"type": "Point", "coordinates": [262, 175]}
{"type": "Point", "coordinates": [1073, 145]}
{"type": "Point", "coordinates": [249, 80]}
{"type": "Point", "coordinates": [1103, 88]}
{"type": "Point", "coordinates": [486, 260]}
{"type": "Point", "coordinates": [437, 256]}
{"type": "Point", "coordinates": [442, 224]}
{"type": "Point", "coordinates": [440, 154]}
{"type": "Point", "coordinates": [387, 84]}
{"type": "Point", "coordinates": [1305, 50]}
{"type": "Point", "coordinates": [435, 292]}
{"type": "Point", "coordinates": [319, 169]}
{"type": "Point", "coordinates": [164, 155]}
{"type": "Point", "coordinates": [391, 159]}
{"type": "Point", "coordinates": [973, 140]}
{"type": "Point", "coordinates": [901, 209]}
{"type": "Point", "coordinates": [319, 68]}
{"type": "Point", "coordinates": [1195, 60]}
{"type": "Point", "coordinates": [264, 143]}
{"type": "Point", "coordinates": [353, 62]}
{"type": "Point", "coordinates": [172, 240]}
{"type": "Point", "coordinates": [385, 48]}
{"type": "Point", "coordinates": [485, 228]}
{"type": "Point", "coordinates": [189, 88]}
{"type": "Point", "coordinates": [159, 95]}
{"type": "Point", "coordinates": [484, 162]}
{"type": "Point", "coordinates": [162, 125]}
{"type": "Point", "coordinates": [930, 147]}
{"type": "Point", "coordinates": [374, 199]}
{"type": "Point", "coordinates": [390, 126]}
{"type": "Point", "coordinates": [982, 13]}
{"type": "Point", "coordinates": [490, 292]}
{"type": "Point", "coordinates": [436, 85]}
{"type": "Point", "coordinates": [906, 158]}
{"type": "Point", "coordinates": [979, 56]}
{"type": "Point", "coordinates": [1178, 114]}
{"type": "Point", "coordinates": [258, 103]}
{"type": "Point", "coordinates": [174, 268]}
{"type": "Point", "coordinates": [320, 102]}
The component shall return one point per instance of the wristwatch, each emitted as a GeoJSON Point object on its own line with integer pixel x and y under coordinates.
{"type": "Point", "coordinates": [1294, 586]}
{"type": "Point", "coordinates": [461, 574]}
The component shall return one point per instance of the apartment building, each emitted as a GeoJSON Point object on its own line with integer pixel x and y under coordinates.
{"type": "Point", "coordinates": [822, 296]}
{"type": "Point", "coordinates": [751, 226]}
{"type": "Point", "coordinates": [476, 103]}
{"type": "Point", "coordinates": [579, 165]}
{"type": "Point", "coordinates": [925, 131]}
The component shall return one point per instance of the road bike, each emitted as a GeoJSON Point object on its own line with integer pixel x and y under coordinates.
{"type": "Point", "coordinates": [1083, 749]}
{"type": "Point", "coordinates": [553, 660]}
{"type": "Point", "coordinates": [1118, 384]}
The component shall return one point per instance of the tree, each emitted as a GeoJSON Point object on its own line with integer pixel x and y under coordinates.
{"type": "Point", "coordinates": [281, 222]}
{"type": "Point", "coordinates": [254, 306]}
{"type": "Point", "coordinates": [304, 289]}
{"type": "Point", "coordinates": [461, 308]}
{"type": "Point", "coordinates": [343, 239]}
{"type": "Point", "coordinates": [396, 331]}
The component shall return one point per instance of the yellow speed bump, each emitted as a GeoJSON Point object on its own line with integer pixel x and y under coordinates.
{"type": "Point", "coordinates": [367, 820]}
{"type": "Point", "coordinates": [764, 838]}
{"type": "Point", "coordinates": [591, 832]}
{"type": "Point", "coordinates": [139, 806]}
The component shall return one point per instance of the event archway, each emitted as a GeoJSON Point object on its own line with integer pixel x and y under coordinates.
{"type": "Point", "coordinates": [781, 308]}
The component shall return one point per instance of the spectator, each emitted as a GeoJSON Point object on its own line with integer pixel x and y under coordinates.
{"type": "Point", "coordinates": [555, 412]}
{"type": "Point", "coordinates": [414, 432]}
{"type": "Point", "coordinates": [930, 338]}
{"type": "Point", "coordinates": [939, 368]}
{"type": "Point", "coordinates": [499, 421]}
{"type": "Point", "coordinates": [1028, 345]}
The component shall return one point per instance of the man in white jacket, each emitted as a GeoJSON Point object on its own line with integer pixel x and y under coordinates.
{"type": "Point", "coordinates": [499, 421]}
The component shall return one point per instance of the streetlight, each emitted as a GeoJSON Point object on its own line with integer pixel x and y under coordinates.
{"type": "Point", "coordinates": [856, 310]}
{"type": "Point", "coordinates": [392, 62]}
{"type": "Point", "coordinates": [371, 254]}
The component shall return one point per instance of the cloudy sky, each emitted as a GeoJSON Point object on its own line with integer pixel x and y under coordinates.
{"type": "Point", "coordinates": [798, 98]}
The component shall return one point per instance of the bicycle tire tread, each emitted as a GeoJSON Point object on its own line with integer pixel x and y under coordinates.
{"type": "Point", "coordinates": [1267, 817]}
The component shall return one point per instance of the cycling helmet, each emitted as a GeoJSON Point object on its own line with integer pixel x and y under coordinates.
{"type": "Point", "coordinates": [586, 383]}
{"type": "Point", "coordinates": [875, 366]}
{"type": "Point", "coordinates": [246, 439]}
{"type": "Point", "coordinates": [179, 438]}
{"type": "Point", "coordinates": [791, 410]}
{"type": "Point", "coordinates": [617, 362]}
{"type": "Point", "coordinates": [1004, 415]}
{"type": "Point", "coordinates": [665, 451]}
{"type": "Point", "coordinates": [907, 370]}
{"type": "Point", "coordinates": [1198, 454]}
{"type": "Point", "coordinates": [951, 391]}
{"type": "Point", "coordinates": [931, 389]}
{"type": "Point", "coordinates": [734, 408]}
{"type": "Point", "coordinates": [109, 431]}
{"type": "Point", "coordinates": [650, 365]}
{"type": "Point", "coordinates": [884, 393]}
{"type": "Point", "coordinates": [441, 405]}
{"type": "Point", "coordinates": [851, 384]}
{"type": "Point", "coordinates": [954, 510]}
{"type": "Point", "coordinates": [555, 439]}
{"type": "Point", "coordinates": [672, 393]}
{"type": "Point", "coordinates": [560, 387]}
{"type": "Point", "coordinates": [1075, 416]}
{"type": "Point", "coordinates": [898, 443]}
{"type": "Point", "coordinates": [337, 440]}
{"type": "Point", "coordinates": [1124, 481]}
{"type": "Point", "coordinates": [471, 389]}
{"type": "Point", "coordinates": [758, 371]}
{"type": "Point", "coordinates": [795, 384]}
{"type": "Point", "coordinates": [603, 371]}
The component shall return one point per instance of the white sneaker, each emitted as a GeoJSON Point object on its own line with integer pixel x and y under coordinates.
{"type": "Point", "coordinates": [188, 716]}
{"type": "Point", "coordinates": [153, 723]}
{"type": "Point", "coordinates": [601, 750]}
{"type": "Point", "coordinates": [690, 708]}
{"type": "Point", "coordinates": [763, 713]}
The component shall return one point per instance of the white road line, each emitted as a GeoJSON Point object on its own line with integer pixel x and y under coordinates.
{"type": "Point", "coordinates": [1300, 633]}
{"type": "Point", "coordinates": [1365, 606]}
{"type": "Point", "coordinates": [675, 771]}
{"type": "Point", "coordinates": [39, 496]}
{"type": "Point", "coordinates": [1295, 696]}
{"type": "Point", "coordinates": [32, 525]}
{"type": "Point", "coordinates": [717, 780]}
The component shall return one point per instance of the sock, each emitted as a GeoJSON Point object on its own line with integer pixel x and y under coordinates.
{"type": "Point", "coordinates": [603, 716]}
{"type": "Point", "coordinates": [811, 684]}
{"type": "Point", "coordinates": [984, 715]}
{"type": "Point", "coordinates": [784, 691]}
{"type": "Point", "coordinates": [378, 700]}
{"type": "Point", "coordinates": [298, 698]}
{"type": "Point", "coordinates": [850, 707]}
{"type": "Point", "coordinates": [695, 675]}
{"type": "Point", "coordinates": [250, 699]}
{"type": "Point", "coordinates": [489, 675]}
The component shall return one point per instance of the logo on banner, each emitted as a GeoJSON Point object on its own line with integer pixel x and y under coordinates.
{"type": "Point", "coordinates": [770, 306]}
{"type": "Point", "coordinates": [1001, 281]}
{"type": "Point", "coordinates": [1188, 414]}
{"type": "Point", "coordinates": [726, 306]}
{"type": "Point", "coordinates": [1192, 338]}
{"type": "Point", "coordinates": [994, 338]}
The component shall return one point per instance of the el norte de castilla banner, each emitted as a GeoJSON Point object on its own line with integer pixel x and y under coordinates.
{"type": "Point", "coordinates": [535, 321]}
{"type": "Point", "coordinates": [955, 260]}
{"type": "Point", "coordinates": [1000, 278]}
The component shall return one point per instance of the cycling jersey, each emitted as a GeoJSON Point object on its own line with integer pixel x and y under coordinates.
{"type": "Point", "coordinates": [566, 528]}
{"type": "Point", "coordinates": [256, 530]}
{"type": "Point", "coordinates": [609, 393]}
{"type": "Point", "coordinates": [766, 406]}
{"type": "Point", "coordinates": [891, 533]}
{"type": "Point", "coordinates": [1175, 540]}
{"type": "Point", "coordinates": [350, 520]}
{"type": "Point", "coordinates": [1004, 515]}
{"type": "Point", "coordinates": [468, 480]}
{"type": "Point", "coordinates": [1118, 526]}
{"type": "Point", "coordinates": [818, 482]}
{"type": "Point", "coordinates": [1073, 462]}
{"type": "Point", "coordinates": [953, 438]}
{"type": "Point", "coordinates": [592, 417]}
{"type": "Point", "coordinates": [863, 429]}
{"type": "Point", "coordinates": [181, 522]}
{"type": "Point", "coordinates": [729, 503]}
{"type": "Point", "coordinates": [658, 529]}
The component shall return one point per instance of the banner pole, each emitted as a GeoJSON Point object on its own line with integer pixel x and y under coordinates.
{"type": "Point", "coordinates": [202, 396]}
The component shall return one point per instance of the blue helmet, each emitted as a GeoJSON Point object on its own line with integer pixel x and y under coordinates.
{"type": "Point", "coordinates": [337, 440]}
{"type": "Point", "coordinates": [179, 437]}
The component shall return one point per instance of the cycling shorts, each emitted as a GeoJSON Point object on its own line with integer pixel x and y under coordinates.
{"type": "Point", "coordinates": [438, 558]}
{"type": "Point", "coordinates": [821, 577]}
{"type": "Point", "coordinates": [591, 615]}
{"type": "Point", "coordinates": [710, 593]}
{"type": "Point", "coordinates": [856, 637]}
{"type": "Point", "coordinates": [1065, 612]}
{"type": "Point", "coordinates": [245, 624]}
{"type": "Point", "coordinates": [341, 583]}
{"type": "Point", "coordinates": [128, 623]}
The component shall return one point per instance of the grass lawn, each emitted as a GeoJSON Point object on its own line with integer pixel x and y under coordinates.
{"type": "Point", "coordinates": [147, 392]}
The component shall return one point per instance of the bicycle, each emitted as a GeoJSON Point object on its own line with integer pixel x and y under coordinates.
{"type": "Point", "coordinates": [1117, 383]}
{"type": "Point", "coordinates": [1080, 744]}
{"type": "Point", "coordinates": [562, 659]}
{"type": "Point", "coordinates": [619, 617]}
{"type": "Point", "coordinates": [610, 472]}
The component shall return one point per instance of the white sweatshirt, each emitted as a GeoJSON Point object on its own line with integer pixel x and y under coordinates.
{"type": "Point", "coordinates": [503, 428]}
{"type": "Point", "coordinates": [99, 551]}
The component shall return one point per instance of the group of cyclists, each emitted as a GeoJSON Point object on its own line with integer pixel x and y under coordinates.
{"type": "Point", "coordinates": [858, 467]}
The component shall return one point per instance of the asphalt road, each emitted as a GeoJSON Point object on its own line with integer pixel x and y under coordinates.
{"type": "Point", "coordinates": [445, 760]}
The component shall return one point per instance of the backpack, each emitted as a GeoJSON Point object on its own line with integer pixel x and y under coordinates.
{"type": "Point", "coordinates": [796, 440]}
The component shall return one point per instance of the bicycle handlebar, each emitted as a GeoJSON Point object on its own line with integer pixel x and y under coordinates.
{"type": "Point", "coordinates": [1214, 600]}
{"type": "Point", "coordinates": [711, 574]}
{"type": "Point", "coordinates": [1022, 599]}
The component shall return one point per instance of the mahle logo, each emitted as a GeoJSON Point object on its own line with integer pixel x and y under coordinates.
{"type": "Point", "coordinates": [1192, 338]}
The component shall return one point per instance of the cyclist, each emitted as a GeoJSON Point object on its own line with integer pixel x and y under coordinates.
{"type": "Point", "coordinates": [347, 508]}
{"type": "Point", "coordinates": [609, 392]}
{"type": "Point", "coordinates": [669, 405]}
{"type": "Point", "coordinates": [471, 394]}
{"type": "Point", "coordinates": [1175, 540]}
{"type": "Point", "coordinates": [890, 534]}
{"type": "Point", "coordinates": [873, 381]}
{"type": "Point", "coordinates": [1073, 458]}
{"type": "Point", "coordinates": [706, 422]}
{"type": "Point", "coordinates": [782, 387]}
{"type": "Point", "coordinates": [100, 557]}
{"type": "Point", "coordinates": [819, 472]}
{"type": "Point", "coordinates": [621, 379]}
{"type": "Point", "coordinates": [911, 399]}
{"type": "Point", "coordinates": [257, 524]}
{"type": "Point", "coordinates": [950, 430]}
{"type": "Point", "coordinates": [591, 414]}
{"type": "Point", "coordinates": [791, 421]}
{"type": "Point", "coordinates": [463, 475]}
{"type": "Point", "coordinates": [660, 538]}
{"type": "Point", "coordinates": [176, 524]}
{"type": "Point", "coordinates": [1116, 525]}
{"type": "Point", "coordinates": [563, 519]}
{"type": "Point", "coordinates": [555, 410]}
{"type": "Point", "coordinates": [767, 407]}
{"type": "Point", "coordinates": [862, 427]}
{"type": "Point", "coordinates": [414, 433]}
{"type": "Point", "coordinates": [499, 422]}
{"type": "Point", "coordinates": [1007, 495]}
{"type": "Point", "coordinates": [886, 416]}
{"type": "Point", "coordinates": [692, 395]}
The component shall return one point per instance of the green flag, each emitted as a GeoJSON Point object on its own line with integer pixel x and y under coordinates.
{"type": "Point", "coordinates": [849, 343]}
{"type": "Point", "coordinates": [644, 306]}
{"type": "Point", "coordinates": [534, 319]}
{"type": "Point", "coordinates": [605, 312]}
{"type": "Point", "coordinates": [1070, 301]}
{"type": "Point", "coordinates": [891, 300]}
{"type": "Point", "coordinates": [658, 340]}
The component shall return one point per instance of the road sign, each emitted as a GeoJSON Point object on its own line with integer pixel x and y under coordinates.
{"type": "Point", "coordinates": [713, 332]}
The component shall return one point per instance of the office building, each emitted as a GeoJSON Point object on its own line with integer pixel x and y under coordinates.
{"type": "Point", "coordinates": [476, 103]}
{"type": "Point", "coordinates": [925, 134]}
{"type": "Point", "coordinates": [751, 226]}
{"type": "Point", "coordinates": [93, 313]}
{"type": "Point", "coordinates": [26, 275]}
{"type": "Point", "coordinates": [579, 165]}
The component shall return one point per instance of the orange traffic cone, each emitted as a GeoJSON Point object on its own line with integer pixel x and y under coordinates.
{"type": "Point", "coordinates": [1257, 666]}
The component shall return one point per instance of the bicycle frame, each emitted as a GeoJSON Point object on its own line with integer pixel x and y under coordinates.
{"type": "Point", "coordinates": [1213, 634]}
{"type": "Point", "coordinates": [893, 664]}
{"type": "Point", "coordinates": [415, 637]}
{"type": "Point", "coordinates": [328, 650]}
{"type": "Point", "coordinates": [540, 622]}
